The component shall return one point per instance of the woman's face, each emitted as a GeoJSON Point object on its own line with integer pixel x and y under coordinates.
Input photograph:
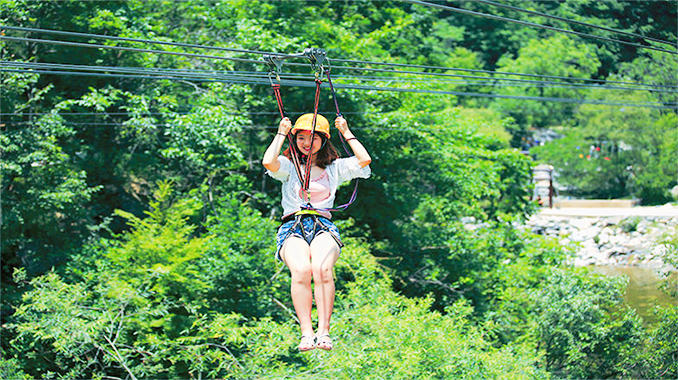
{"type": "Point", "coordinates": [304, 142]}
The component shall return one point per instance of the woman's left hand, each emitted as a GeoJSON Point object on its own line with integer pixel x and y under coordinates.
{"type": "Point", "coordinates": [341, 125]}
{"type": "Point", "coordinates": [359, 150]}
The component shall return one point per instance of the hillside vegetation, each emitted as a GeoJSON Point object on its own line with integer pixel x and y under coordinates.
{"type": "Point", "coordinates": [138, 223]}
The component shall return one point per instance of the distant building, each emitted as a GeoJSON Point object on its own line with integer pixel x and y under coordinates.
{"type": "Point", "coordinates": [542, 175]}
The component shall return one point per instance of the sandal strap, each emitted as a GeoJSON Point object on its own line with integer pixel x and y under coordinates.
{"type": "Point", "coordinates": [307, 340]}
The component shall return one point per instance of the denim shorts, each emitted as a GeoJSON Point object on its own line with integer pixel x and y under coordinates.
{"type": "Point", "coordinates": [306, 227]}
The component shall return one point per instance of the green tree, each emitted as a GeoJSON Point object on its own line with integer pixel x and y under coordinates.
{"type": "Point", "coordinates": [560, 56]}
{"type": "Point", "coordinates": [585, 329]}
{"type": "Point", "coordinates": [617, 151]}
{"type": "Point", "coordinates": [44, 192]}
{"type": "Point", "coordinates": [149, 304]}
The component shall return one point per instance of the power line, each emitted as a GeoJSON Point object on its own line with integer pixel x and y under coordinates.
{"type": "Point", "coordinates": [260, 81]}
{"type": "Point", "coordinates": [212, 73]}
{"type": "Point", "coordinates": [127, 39]}
{"type": "Point", "coordinates": [493, 82]}
{"type": "Point", "coordinates": [282, 55]}
{"type": "Point", "coordinates": [532, 24]}
{"type": "Point", "coordinates": [139, 50]}
{"type": "Point", "coordinates": [426, 67]}
{"type": "Point", "coordinates": [500, 5]}
{"type": "Point", "coordinates": [154, 113]}
{"type": "Point", "coordinates": [170, 125]}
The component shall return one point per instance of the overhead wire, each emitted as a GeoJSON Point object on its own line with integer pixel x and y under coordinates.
{"type": "Point", "coordinates": [493, 82]}
{"type": "Point", "coordinates": [170, 125]}
{"type": "Point", "coordinates": [141, 40]}
{"type": "Point", "coordinates": [541, 14]}
{"type": "Point", "coordinates": [248, 78]}
{"type": "Point", "coordinates": [282, 55]}
{"type": "Point", "coordinates": [235, 74]}
{"type": "Point", "coordinates": [126, 48]}
{"type": "Point", "coordinates": [643, 87]}
{"type": "Point", "coordinates": [254, 80]}
{"type": "Point", "coordinates": [429, 67]}
{"type": "Point", "coordinates": [532, 24]}
{"type": "Point", "coordinates": [423, 73]}
{"type": "Point", "coordinates": [150, 113]}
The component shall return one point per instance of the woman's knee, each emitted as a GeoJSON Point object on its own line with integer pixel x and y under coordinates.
{"type": "Point", "coordinates": [322, 273]}
{"type": "Point", "coordinates": [301, 273]}
{"type": "Point", "coordinates": [322, 265]}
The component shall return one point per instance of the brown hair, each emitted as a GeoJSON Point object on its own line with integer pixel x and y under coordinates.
{"type": "Point", "coordinates": [325, 156]}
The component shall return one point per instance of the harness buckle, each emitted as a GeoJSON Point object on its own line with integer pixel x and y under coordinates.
{"type": "Point", "coordinates": [274, 63]}
{"type": "Point", "coordinates": [307, 211]}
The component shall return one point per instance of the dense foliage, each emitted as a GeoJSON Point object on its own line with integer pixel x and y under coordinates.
{"type": "Point", "coordinates": [137, 222]}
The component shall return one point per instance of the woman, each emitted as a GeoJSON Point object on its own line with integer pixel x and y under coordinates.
{"type": "Point", "coordinates": [308, 241]}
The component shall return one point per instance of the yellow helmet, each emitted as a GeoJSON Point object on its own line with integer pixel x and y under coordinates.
{"type": "Point", "coordinates": [305, 123]}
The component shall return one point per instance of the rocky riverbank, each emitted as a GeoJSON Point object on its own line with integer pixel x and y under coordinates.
{"type": "Point", "coordinates": [610, 240]}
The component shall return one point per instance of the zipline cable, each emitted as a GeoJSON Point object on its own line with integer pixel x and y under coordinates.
{"type": "Point", "coordinates": [532, 24]}
{"type": "Point", "coordinates": [536, 13]}
{"type": "Point", "coordinates": [421, 73]}
{"type": "Point", "coordinates": [235, 74]}
{"type": "Point", "coordinates": [127, 39]}
{"type": "Point", "coordinates": [426, 67]}
{"type": "Point", "coordinates": [211, 74]}
{"type": "Point", "coordinates": [183, 74]}
{"type": "Point", "coordinates": [643, 87]}
{"type": "Point", "coordinates": [125, 48]}
{"type": "Point", "coordinates": [182, 113]}
{"type": "Point", "coordinates": [257, 81]}
{"type": "Point", "coordinates": [281, 55]}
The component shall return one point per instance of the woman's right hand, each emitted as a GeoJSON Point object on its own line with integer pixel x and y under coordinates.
{"type": "Point", "coordinates": [270, 160]}
{"type": "Point", "coordinates": [285, 126]}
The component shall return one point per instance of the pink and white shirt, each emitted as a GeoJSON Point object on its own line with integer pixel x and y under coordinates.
{"type": "Point", "coordinates": [322, 190]}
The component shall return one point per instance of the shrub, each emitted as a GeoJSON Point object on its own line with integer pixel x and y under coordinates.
{"type": "Point", "coordinates": [584, 328]}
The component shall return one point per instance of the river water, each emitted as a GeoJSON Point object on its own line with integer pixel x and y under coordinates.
{"type": "Point", "coordinates": [643, 292]}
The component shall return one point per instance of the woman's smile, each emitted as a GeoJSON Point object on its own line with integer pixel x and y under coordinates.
{"type": "Point", "coordinates": [304, 142]}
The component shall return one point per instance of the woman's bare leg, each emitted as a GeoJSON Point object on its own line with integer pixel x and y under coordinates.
{"type": "Point", "coordinates": [296, 254]}
{"type": "Point", "coordinates": [324, 254]}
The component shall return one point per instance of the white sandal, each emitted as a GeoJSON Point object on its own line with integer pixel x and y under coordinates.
{"type": "Point", "coordinates": [307, 343]}
{"type": "Point", "coordinates": [324, 342]}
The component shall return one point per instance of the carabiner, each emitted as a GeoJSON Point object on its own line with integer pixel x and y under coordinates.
{"type": "Point", "coordinates": [317, 57]}
{"type": "Point", "coordinates": [275, 64]}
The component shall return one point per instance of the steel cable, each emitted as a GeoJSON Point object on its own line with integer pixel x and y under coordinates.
{"type": "Point", "coordinates": [259, 81]}
{"type": "Point", "coordinates": [281, 55]}
{"type": "Point", "coordinates": [532, 24]}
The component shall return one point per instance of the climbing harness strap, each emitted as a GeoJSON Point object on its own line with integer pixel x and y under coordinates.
{"type": "Point", "coordinates": [275, 64]}
{"type": "Point", "coordinates": [317, 57]}
{"type": "Point", "coordinates": [298, 217]}
{"type": "Point", "coordinates": [307, 177]}
{"type": "Point", "coordinates": [354, 195]}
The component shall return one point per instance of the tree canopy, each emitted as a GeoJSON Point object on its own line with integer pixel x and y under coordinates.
{"type": "Point", "coordinates": [138, 224]}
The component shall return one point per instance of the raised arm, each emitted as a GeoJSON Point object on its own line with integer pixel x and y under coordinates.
{"type": "Point", "coordinates": [358, 149]}
{"type": "Point", "coordinates": [270, 160]}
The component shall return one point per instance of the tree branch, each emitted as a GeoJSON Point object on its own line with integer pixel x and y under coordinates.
{"type": "Point", "coordinates": [285, 308]}
{"type": "Point", "coordinates": [122, 362]}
